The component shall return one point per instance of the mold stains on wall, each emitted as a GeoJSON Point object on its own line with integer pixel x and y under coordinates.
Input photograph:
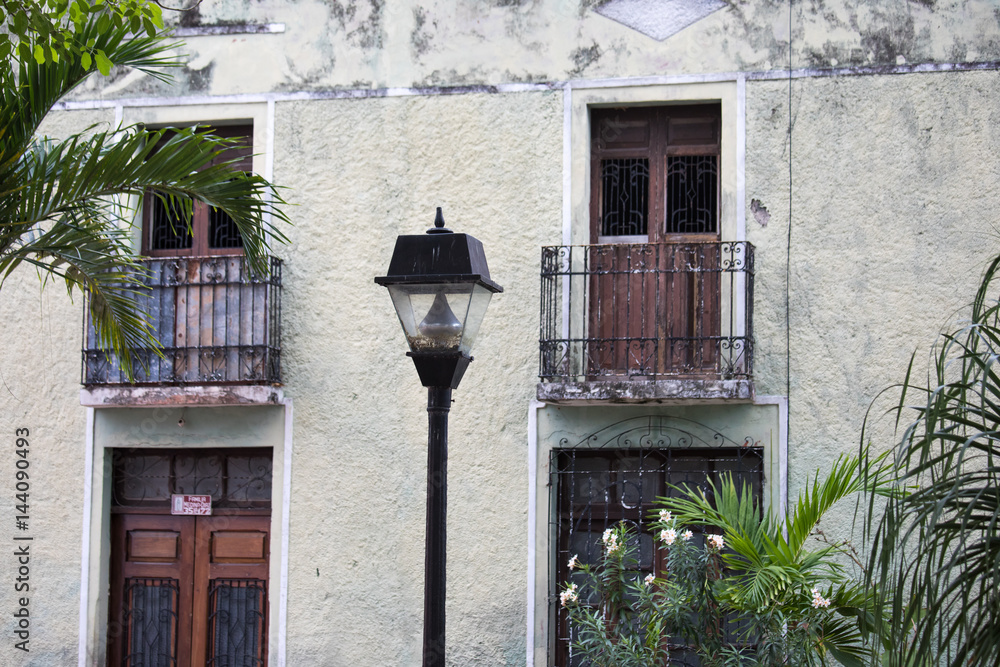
{"type": "Point", "coordinates": [361, 20]}
{"type": "Point", "coordinates": [889, 40]}
{"type": "Point", "coordinates": [191, 17]}
{"type": "Point", "coordinates": [200, 80]}
{"type": "Point", "coordinates": [420, 38]}
{"type": "Point", "coordinates": [584, 57]}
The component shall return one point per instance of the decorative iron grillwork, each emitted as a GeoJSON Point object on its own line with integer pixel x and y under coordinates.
{"type": "Point", "coordinates": [237, 623]}
{"type": "Point", "coordinates": [649, 311]}
{"type": "Point", "coordinates": [233, 477]}
{"type": "Point", "coordinates": [168, 229]}
{"type": "Point", "coordinates": [222, 230]}
{"type": "Point", "coordinates": [150, 622]}
{"type": "Point", "coordinates": [692, 195]}
{"type": "Point", "coordinates": [615, 475]}
{"type": "Point", "coordinates": [624, 196]}
{"type": "Point", "coordinates": [218, 324]}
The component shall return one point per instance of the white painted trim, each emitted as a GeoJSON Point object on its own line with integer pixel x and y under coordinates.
{"type": "Point", "coordinates": [505, 88]}
{"type": "Point", "coordinates": [567, 176]}
{"type": "Point", "coordinates": [782, 403]}
{"type": "Point", "coordinates": [533, 408]}
{"type": "Point", "coordinates": [663, 80]}
{"type": "Point", "coordinates": [269, 163]}
{"type": "Point", "coordinates": [88, 494]}
{"type": "Point", "coordinates": [741, 157]}
{"type": "Point", "coordinates": [286, 503]}
{"type": "Point", "coordinates": [269, 142]}
{"type": "Point", "coordinates": [342, 93]}
{"type": "Point", "coordinates": [238, 29]}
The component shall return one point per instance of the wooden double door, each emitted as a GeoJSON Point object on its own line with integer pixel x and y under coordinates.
{"type": "Point", "coordinates": [188, 591]}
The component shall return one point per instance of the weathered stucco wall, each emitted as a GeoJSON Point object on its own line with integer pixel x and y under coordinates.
{"type": "Point", "coordinates": [894, 194]}
{"type": "Point", "coordinates": [371, 170]}
{"type": "Point", "coordinates": [361, 44]}
{"type": "Point", "coordinates": [39, 389]}
{"type": "Point", "coordinates": [893, 183]}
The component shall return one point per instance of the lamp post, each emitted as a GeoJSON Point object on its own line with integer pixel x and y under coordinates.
{"type": "Point", "coordinates": [440, 287]}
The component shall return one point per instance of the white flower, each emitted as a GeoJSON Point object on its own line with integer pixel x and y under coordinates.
{"type": "Point", "coordinates": [818, 600]}
{"type": "Point", "coordinates": [668, 536]}
{"type": "Point", "coordinates": [686, 535]}
{"type": "Point", "coordinates": [569, 595]}
{"type": "Point", "coordinates": [573, 563]}
{"type": "Point", "coordinates": [665, 516]}
{"type": "Point", "coordinates": [610, 541]}
{"type": "Point", "coordinates": [649, 579]}
{"type": "Point", "coordinates": [715, 542]}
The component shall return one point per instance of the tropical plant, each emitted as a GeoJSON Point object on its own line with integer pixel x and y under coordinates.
{"type": "Point", "coordinates": [794, 593]}
{"type": "Point", "coordinates": [50, 30]}
{"type": "Point", "coordinates": [937, 543]}
{"type": "Point", "coordinates": [760, 593]}
{"type": "Point", "coordinates": [66, 206]}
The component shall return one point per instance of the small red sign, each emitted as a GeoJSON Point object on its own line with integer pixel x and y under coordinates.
{"type": "Point", "coordinates": [184, 504]}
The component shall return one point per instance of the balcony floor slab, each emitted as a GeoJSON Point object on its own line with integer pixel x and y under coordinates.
{"type": "Point", "coordinates": [626, 390]}
{"type": "Point", "coordinates": [108, 397]}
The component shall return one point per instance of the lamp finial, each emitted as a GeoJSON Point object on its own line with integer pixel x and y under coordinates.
{"type": "Point", "coordinates": [439, 227]}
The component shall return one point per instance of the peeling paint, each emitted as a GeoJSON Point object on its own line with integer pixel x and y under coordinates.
{"type": "Point", "coordinates": [760, 212]}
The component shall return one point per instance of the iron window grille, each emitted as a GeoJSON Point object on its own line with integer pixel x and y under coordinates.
{"type": "Point", "coordinates": [150, 621]}
{"type": "Point", "coordinates": [598, 488]}
{"type": "Point", "coordinates": [237, 623]}
{"type": "Point", "coordinates": [234, 478]}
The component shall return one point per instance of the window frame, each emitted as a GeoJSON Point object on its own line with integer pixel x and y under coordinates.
{"type": "Point", "coordinates": [577, 153]}
{"type": "Point", "coordinates": [201, 212]}
{"type": "Point", "coordinates": [660, 145]}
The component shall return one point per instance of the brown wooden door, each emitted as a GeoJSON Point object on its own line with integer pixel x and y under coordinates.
{"type": "Point", "coordinates": [189, 591]}
{"type": "Point", "coordinates": [654, 262]}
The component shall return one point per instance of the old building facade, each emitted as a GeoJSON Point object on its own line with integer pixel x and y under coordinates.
{"type": "Point", "coordinates": [721, 227]}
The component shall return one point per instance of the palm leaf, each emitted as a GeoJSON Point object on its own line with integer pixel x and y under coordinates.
{"type": "Point", "coordinates": [939, 543]}
{"type": "Point", "coordinates": [65, 206]}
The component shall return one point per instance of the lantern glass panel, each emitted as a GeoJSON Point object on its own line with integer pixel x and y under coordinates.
{"type": "Point", "coordinates": [440, 317]}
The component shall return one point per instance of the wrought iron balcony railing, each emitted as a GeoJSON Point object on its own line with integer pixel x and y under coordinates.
{"type": "Point", "coordinates": [217, 323]}
{"type": "Point", "coordinates": [647, 311]}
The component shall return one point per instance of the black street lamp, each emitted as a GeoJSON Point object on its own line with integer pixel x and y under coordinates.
{"type": "Point", "coordinates": [440, 286]}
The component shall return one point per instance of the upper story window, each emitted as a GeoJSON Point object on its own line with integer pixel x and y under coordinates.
{"type": "Point", "coordinates": [217, 322]}
{"type": "Point", "coordinates": [655, 173]}
{"type": "Point", "coordinates": [660, 290]}
{"type": "Point", "coordinates": [212, 232]}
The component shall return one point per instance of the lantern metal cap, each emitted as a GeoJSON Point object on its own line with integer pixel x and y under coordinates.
{"type": "Point", "coordinates": [439, 256]}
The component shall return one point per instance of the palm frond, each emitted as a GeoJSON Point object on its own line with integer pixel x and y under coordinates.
{"type": "Point", "coordinates": [65, 205]}
{"type": "Point", "coordinates": [938, 542]}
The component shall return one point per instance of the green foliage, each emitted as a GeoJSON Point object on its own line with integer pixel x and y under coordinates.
{"type": "Point", "coordinates": [66, 206]}
{"type": "Point", "coordinates": [795, 605]}
{"type": "Point", "coordinates": [937, 544]}
{"type": "Point", "coordinates": [54, 30]}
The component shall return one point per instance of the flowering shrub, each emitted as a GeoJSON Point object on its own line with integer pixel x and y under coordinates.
{"type": "Point", "coordinates": [753, 595]}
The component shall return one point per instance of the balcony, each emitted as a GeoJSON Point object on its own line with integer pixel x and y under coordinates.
{"type": "Point", "coordinates": [218, 325]}
{"type": "Point", "coordinates": [647, 321]}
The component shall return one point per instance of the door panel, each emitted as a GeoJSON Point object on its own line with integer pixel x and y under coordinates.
{"type": "Point", "coordinates": [188, 591]}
